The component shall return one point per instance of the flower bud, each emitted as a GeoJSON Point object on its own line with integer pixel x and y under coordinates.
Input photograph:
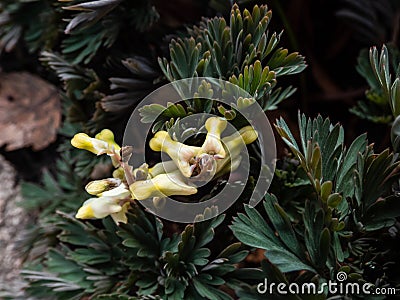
{"type": "Point", "coordinates": [98, 186]}
{"type": "Point", "coordinates": [119, 173]}
{"type": "Point", "coordinates": [245, 102]}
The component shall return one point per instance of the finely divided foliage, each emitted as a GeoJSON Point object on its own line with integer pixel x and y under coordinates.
{"type": "Point", "coordinates": [137, 256]}
{"type": "Point", "coordinates": [331, 208]}
{"type": "Point", "coordinates": [381, 71]}
{"type": "Point", "coordinates": [352, 200]}
{"type": "Point", "coordinates": [242, 52]}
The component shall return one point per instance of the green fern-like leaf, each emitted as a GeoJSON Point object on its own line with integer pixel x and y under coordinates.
{"type": "Point", "coordinates": [283, 251]}
{"type": "Point", "coordinates": [240, 52]}
{"type": "Point", "coordinates": [382, 99]}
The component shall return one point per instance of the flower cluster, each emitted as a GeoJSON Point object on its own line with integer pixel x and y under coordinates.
{"type": "Point", "coordinates": [113, 196]}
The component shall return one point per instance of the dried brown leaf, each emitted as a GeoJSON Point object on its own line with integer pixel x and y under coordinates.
{"type": "Point", "coordinates": [30, 111]}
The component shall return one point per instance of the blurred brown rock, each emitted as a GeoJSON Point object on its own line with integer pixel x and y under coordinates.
{"type": "Point", "coordinates": [30, 111]}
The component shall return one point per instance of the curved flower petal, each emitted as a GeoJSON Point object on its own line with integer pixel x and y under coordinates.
{"type": "Point", "coordinates": [212, 144]}
{"type": "Point", "coordinates": [162, 167]}
{"type": "Point", "coordinates": [83, 141]}
{"type": "Point", "coordinates": [180, 153]}
{"type": "Point", "coordinates": [161, 185]}
{"type": "Point", "coordinates": [235, 143]}
{"type": "Point", "coordinates": [118, 193]}
{"type": "Point", "coordinates": [120, 217]}
{"type": "Point", "coordinates": [101, 144]}
{"type": "Point", "coordinates": [108, 136]}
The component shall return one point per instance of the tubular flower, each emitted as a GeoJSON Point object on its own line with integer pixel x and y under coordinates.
{"type": "Point", "coordinates": [214, 158]}
{"type": "Point", "coordinates": [235, 143]}
{"type": "Point", "coordinates": [225, 167]}
{"type": "Point", "coordinates": [83, 141]}
{"type": "Point", "coordinates": [180, 153]}
{"type": "Point", "coordinates": [98, 208]}
{"type": "Point", "coordinates": [108, 136]}
{"type": "Point", "coordinates": [112, 202]}
{"type": "Point", "coordinates": [162, 167]}
{"type": "Point", "coordinates": [161, 186]}
{"type": "Point", "coordinates": [212, 144]}
{"type": "Point", "coordinates": [103, 143]}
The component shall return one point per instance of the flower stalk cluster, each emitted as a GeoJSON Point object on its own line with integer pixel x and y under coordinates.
{"type": "Point", "coordinates": [113, 196]}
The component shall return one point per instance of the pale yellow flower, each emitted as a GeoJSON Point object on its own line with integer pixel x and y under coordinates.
{"type": "Point", "coordinates": [112, 202]}
{"type": "Point", "coordinates": [103, 143]}
{"type": "Point", "coordinates": [180, 153]}
{"type": "Point", "coordinates": [212, 144]}
{"type": "Point", "coordinates": [234, 144]}
{"type": "Point", "coordinates": [161, 186]}
{"type": "Point", "coordinates": [120, 192]}
{"type": "Point", "coordinates": [108, 136]}
{"type": "Point", "coordinates": [248, 134]}
{"type": "Point", "coordinates": [162, 167]}
{"type": "Point", "coordinates": [83, 141]}
{"type": "Point", "coordinates": [98, 208]}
